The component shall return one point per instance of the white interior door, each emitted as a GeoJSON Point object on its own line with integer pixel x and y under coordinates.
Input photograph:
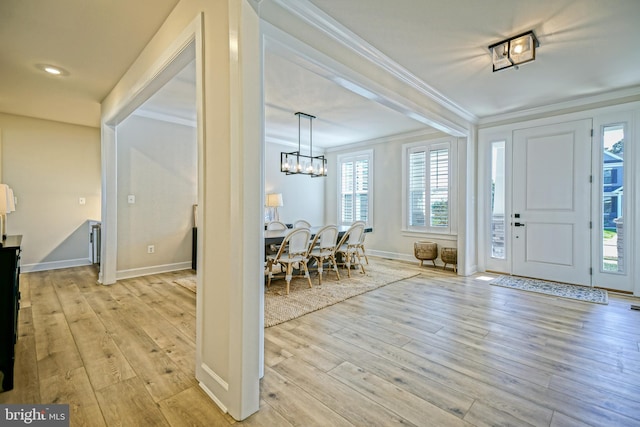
{"type": "Point", "coordinates": [551, 236]}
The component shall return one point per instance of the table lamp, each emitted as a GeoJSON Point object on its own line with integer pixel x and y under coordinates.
{"type": "Point", "coordinates": [7, 205]}
{"type": "Point", "coordinates": [274, 200]}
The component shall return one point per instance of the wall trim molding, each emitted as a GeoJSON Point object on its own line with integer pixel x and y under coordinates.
{"type": "Point", "coordinates": [428, 112]}
{"type": "Point", "coordinates": [154, 269]}
{"type": "Point", "coordinates": [560, 108]}
{"type": "Point", "coordinates": [392, 255]}
{"type": "Point", "coordinates": [213, 397]}
{"type": "Point", "coordinates": [169, 118]}
{"type": "Point", "coordinates": [421, 134]}
{"type": "Point", "coordinates": [54, 265]}
{"type": "Point", "coordinates": [427, 133]}
{"type": "Point", "coordinates": [428, 236]}
{"type": "Point", "coordinates": [411, 258]}
{"type": "Point", "coordinates": [216, 377]}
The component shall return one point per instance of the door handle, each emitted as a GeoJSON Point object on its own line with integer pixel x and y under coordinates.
{"type": "Point", "coordinates": [518, 224]}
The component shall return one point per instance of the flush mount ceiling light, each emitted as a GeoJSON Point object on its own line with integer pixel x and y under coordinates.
{"type": "Point", "coordinates": [52, 70]}
{"type": "Point", "coordinates": [514, 51]}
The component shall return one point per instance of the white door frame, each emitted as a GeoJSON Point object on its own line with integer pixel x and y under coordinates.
{"type": "Point", "coordinates": [489, 134]}
{"type": "Point", "coordinates": [174, 60]}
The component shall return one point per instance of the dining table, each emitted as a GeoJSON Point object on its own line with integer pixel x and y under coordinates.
{"type": "Point", "coordinates": [275, 237]}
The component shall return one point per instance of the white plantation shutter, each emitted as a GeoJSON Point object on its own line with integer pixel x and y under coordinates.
{"type": "Point", "coordinates": [347, 192]}
{"type": "Point", "coordinates": [417, 187]}
{"type": "Point", "coordinates": [361, 209]}
{"type": "Point", "coordinates": [427, 186]}
{"type": "Point", "coordinates": [439, 187]}
{"type": "Point", "coordinates": [355, 183]}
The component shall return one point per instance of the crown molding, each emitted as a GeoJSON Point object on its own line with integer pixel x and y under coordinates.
{"type": "Point", "coordinates": [164, 118]}
{"type": "Point", "coordinates": [281, 43]}
{"type": "Point", "coordinates": [403, 137]}
{"type": "Point", "coordinates": [275, 140]}
{"type": "Point", "coordinates": [322, 22]}
{"type": "Point", "coordinates": [583, 103]}
{"type": "Point", "coordinates": [400, 138]}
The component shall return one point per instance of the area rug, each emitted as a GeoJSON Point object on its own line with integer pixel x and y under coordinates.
{"type": "Point", "coordinates": [187, 283]}
{"type": "Point", "coordinates": [280, 307]}
{"type": "Point", "coordinates": [581, 293]}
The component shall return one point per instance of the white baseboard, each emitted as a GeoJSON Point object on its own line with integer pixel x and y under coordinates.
{"type": "Point", "coordinates": [213, 397]}
{"type": "Point", "coordinates": [217, 378]}
{"type": "Point", "coordinates": [473, 269]}
{"type": "Point", "coordinates": [54, 265]}
{"type": "Point", "coordinates": [122, 274]}
{"type": "Point", "coordinates": [411, 258]}
{"type": "Point", "coordinates": [391, 255]}
{"type": "Point", "coordinates": [400, 257]}
{"type": "Point", "coordinates": [154, 269]}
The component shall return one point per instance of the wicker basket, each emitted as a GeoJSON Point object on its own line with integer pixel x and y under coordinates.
{"type": "Point", "coordinates": [449, 256]}
{"type": "Point", "coordinates": [426, 251]}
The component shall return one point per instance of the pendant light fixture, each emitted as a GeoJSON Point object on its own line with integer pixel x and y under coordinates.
{"type": "Point", "coordinates": [295, 162]}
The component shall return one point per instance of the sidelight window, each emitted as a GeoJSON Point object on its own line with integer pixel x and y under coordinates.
{"type": "Point", "coordinates": [612, 198]}
{"type": "Point", "coordinates": [498, 220]}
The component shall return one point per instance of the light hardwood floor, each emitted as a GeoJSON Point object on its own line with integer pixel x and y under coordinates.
{"type": "Point", "coordinates": [433, 350]}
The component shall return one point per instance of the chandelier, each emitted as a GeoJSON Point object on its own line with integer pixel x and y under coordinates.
{"type": "Point", "coordinates": [297, 163]}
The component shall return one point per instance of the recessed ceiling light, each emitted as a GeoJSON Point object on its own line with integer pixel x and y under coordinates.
{"type": "Point", "coordinates": [53, 70]}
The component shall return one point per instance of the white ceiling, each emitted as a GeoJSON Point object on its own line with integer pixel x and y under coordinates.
{"type": "Point", "coordinates": [94, 40]}
{"type": "Point", "coordinates": [587, 48]}
{"type": "Point", "coordinates": [342, 116]}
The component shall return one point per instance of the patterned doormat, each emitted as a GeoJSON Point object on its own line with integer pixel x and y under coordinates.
{"type": "Point", "coordinates": [581, 293]}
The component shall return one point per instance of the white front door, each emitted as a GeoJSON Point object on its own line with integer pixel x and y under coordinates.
{"type": "Point", "coordinates": [551, 236]}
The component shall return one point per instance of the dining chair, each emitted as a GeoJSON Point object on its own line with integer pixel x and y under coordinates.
{"type": "Point", "coordinates": [293, 250]}
{"type": "Point", "coordinates": [361, 243]}
{"type": "Point", "coordinates": [323, 247]}
{"type": "Point", "coordinates": [301, 223]}
{"type": "Point", "coordinates": [348, 246]}
{"type": "Point", "coordinates": [276, 225]}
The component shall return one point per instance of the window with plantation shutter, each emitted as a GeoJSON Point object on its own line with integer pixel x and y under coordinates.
{"type": "Point", "coordinates": [355, 186]}
{"type": "Point", "coordinates": [427, 187]}
{"type": "Point", "coordinates": [347, 192]}
{"type": "Point", "coordinates": [439, 187]}
{"type": "Point", "coordinates": [417, 188]}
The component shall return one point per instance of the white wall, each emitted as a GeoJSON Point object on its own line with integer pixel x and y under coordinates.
{"type": "Point", "coordinates": [387, 239]}
{"type": "Point", "coordinates": [50, 166]}
{"type": "Point", "coordinates": [230, 171]}
{"type": "Point", "coordinates": [157, 163]}
{"type": "Point", "coordinates": [303, 197]}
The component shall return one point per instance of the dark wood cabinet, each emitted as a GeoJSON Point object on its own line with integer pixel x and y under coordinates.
{"type": "Point", "coordinates": [9, 306]}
